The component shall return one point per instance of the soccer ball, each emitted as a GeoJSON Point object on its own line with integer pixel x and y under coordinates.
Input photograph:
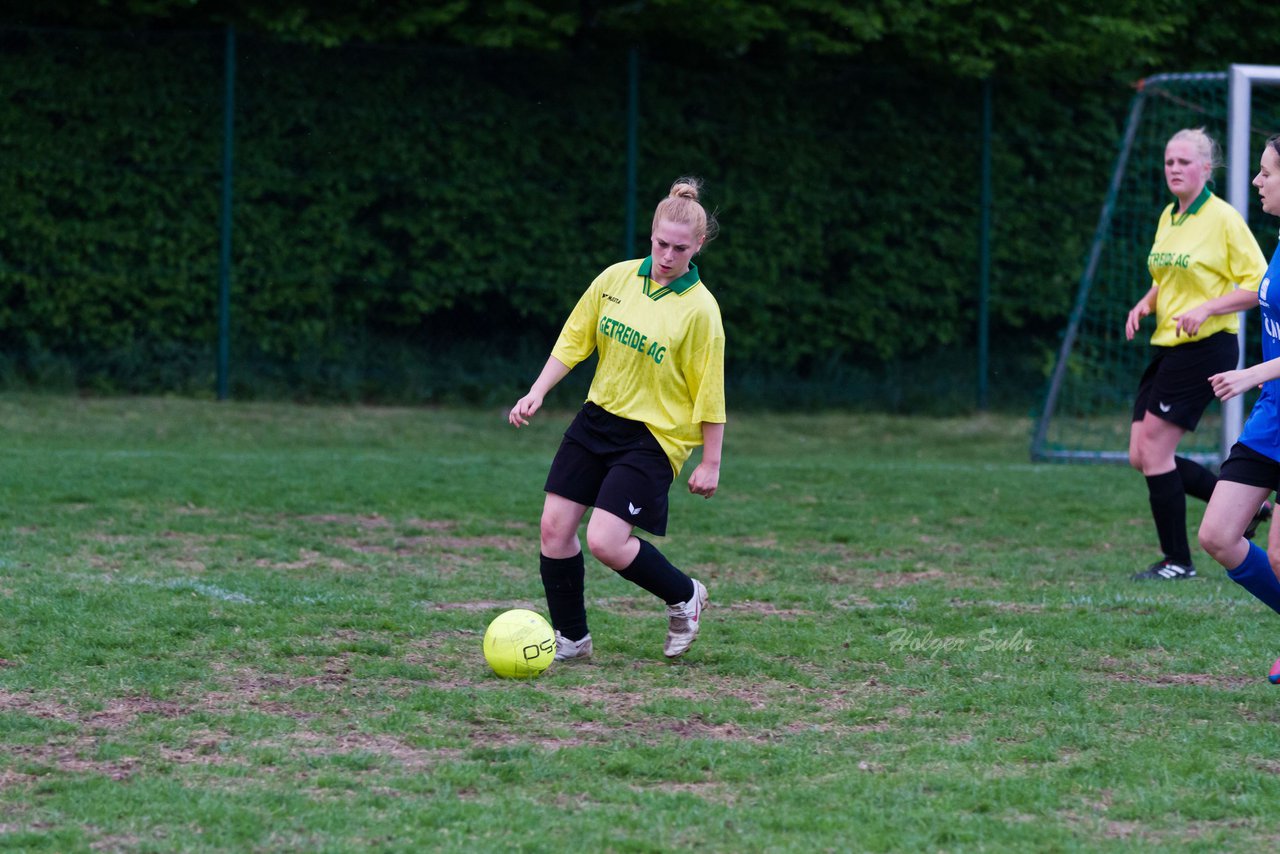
{"type": "Point", "coordinates": [519, 644]}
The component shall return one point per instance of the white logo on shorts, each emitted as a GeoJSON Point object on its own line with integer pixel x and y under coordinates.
{"type": "Point", "coordinates": [1164, 407]}
{"type": "Point", "coordinates": [635, 511]}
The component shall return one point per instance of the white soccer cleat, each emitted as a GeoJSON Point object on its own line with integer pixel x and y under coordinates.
{"type": "Point", "coordinates": [684, 620]}
{"type": "Point", "coordinates": [568, 650]}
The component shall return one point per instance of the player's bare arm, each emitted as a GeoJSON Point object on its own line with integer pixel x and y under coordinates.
{"type": "Point", "coordinates": [1141, 309]}
{"type": "Point", "coordinates": [552, 372]}
{"type": "Point", "coordinates": [1189, 322]}
{"type": "Point", "coordinates": [1229, 384]}
{"type": "Point", "coordinates": [706, 477]}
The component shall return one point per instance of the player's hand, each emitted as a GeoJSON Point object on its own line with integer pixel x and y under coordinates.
{"type": "Point", "coordinates": [1131, 324]}
{"type": "Point", "coordinates": [704, 480]}
{"type": "Point", "coordinates": [1189, 322]}
{"type": "Point", "coordinates": [524, 409]}
{"type": "Point", "coordinates": [1228, 384]}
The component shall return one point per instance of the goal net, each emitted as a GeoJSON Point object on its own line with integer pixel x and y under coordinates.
{"type": "Point", "coordinates": [1088, 401]}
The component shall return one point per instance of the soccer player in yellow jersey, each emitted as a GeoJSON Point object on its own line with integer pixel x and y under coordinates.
{"type": "Point", "coordinates": [657, 394]}
{"type": "Point", "coordinates": [1205, 267]}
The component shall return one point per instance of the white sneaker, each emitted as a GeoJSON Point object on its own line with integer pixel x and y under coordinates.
{"type": "Point", "coordinates": [684, 620]}
{"type": "Point", "coordinates": [568, 650]}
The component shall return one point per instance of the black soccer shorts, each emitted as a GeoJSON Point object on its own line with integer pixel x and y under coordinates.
{"type": "Point", "coordinates": [1247, 466]}
{"type": "Point", "coordinates": [615, 465]}
{"type": "Point", "coordinates": [1175, 386]}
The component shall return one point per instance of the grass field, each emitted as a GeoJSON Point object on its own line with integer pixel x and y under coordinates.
{"type": "Point", "coordinates": [257, 628]}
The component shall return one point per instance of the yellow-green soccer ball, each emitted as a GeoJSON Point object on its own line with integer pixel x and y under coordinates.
{"type": "Point", "coordinates": [519, 644]}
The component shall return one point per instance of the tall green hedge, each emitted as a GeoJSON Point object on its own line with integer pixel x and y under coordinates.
{"type": "Point", "coordinates": [414, 224]}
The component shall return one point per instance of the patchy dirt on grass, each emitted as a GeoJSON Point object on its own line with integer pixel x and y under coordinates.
{"type": "Point", "coordinates": [373, 522]}
{"type": "Point", "coordinates": [315, 703]}
{"type": "Point", "coordinates": [309, 559]}
{"type": "Point", "coordinates": [208, 749]}
{"type": "Point", "coordinates": [587, 733]}
{"type": "Point", "coordinates": [318, 723]}
{"type": "Point", "coordinates": [405, 756]}
{"type": "Point", "coordinates": [422, 539]}
{"type": "Point", "coordinates": [419, 540]}
{"type": "Point", "coordinates": [723, 794]}
{"type": "Point", "coordinates": [934, 560]}
{"type": "Point", "coordinates": [485, 605]}
{"type": "Point", "coordinates": [245, 690]}
{"type": "Point", "coordinates": [855, 602]}
{"type": "Point", "coordinates": [428, 545]}
{"type": "Point", "coordinates": [185, 551]}
{"type": "Point", "coordinates": [766, 609]}
{"type": "Point", "coordinates": [884, 580]}
{"type": "Point", "coordinates": [73, 758]}
{"type": "Point", "coordinates": [75, 753]}
{"type": "Point", "coordinates": [1008, 607]}
{"type": "Point", "coordinates": [116, 713]}
{"type": "Point", "coordinates": [368, 522]}
{"type": "Point", "coordinates": [627, 714]}
{"type": "Point", "coordinates": [769, 542]}
{"type": "Point", "coordinates": [1173, 835]}
{"type": "Point", "coordinates": [1209, 680]}
{"type": "Point", "coordinates": [867, 576]}
{"type": "Point", "coordinates": [269, 692]}
{"type": "Point", "coordinates": [1126, 671]}
{"type": "Point", "coordinates": [193, 510]}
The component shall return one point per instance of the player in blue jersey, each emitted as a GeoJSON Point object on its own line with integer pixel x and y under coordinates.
{"type": "Point", "coordinates": [1252, 469]}
{"type": "Point", "coordinates": [1205, 265]}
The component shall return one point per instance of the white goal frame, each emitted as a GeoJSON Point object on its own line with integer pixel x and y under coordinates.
{"type": "Point", "coordinates": [1239, 169]}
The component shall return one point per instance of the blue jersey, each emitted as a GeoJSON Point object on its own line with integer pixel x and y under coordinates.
{"type": "Point", "coordinates": [1262, 430]}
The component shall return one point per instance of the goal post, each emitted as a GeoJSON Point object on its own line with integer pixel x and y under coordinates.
{"type": "Point", "coordinates": [1086, 411]}
{"type": "Point", "coordinates": [1241, 163]}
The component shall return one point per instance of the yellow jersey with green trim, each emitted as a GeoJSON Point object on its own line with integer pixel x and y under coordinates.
{"type": "Point", "coordinates": [661, 352]}
{"type": "Point", "coordinates": [1198, 255]}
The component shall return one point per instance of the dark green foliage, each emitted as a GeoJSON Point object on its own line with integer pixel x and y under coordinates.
{"type": "Point", "coordinates": [973, 40]}
{"type": "Point", "coordinates": [414, 224]}
{"type": "Point", "coordinates": [109, 240]}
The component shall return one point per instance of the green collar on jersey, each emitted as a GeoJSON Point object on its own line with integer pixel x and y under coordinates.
{"type": "Point", "coordinates": [679, 286]}
{"type": "Point", "coordinates": [1180, 218]}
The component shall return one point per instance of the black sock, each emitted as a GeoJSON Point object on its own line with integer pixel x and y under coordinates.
{"type": "Point", "coordinates": [1197, 481]}
{"type": "Point", "coordinates": [564, 580]}
{"type": "Point", "coordinates": [655, 573]}
{"type": "Point", "coordinates": [1169, 509]}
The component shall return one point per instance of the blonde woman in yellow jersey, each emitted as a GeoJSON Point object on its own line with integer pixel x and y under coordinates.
{"type": "Point", "coordinates": [1205, 267]}
{"type": "Point", "coordinates": [657, 394]}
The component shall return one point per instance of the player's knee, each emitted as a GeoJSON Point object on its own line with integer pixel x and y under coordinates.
{"type": "Point", "coordinates": [1205, 539]}
{"type": "Point", "coordinates": [1213, 540]}
{"type": "Point", "coordinates": [605, 547]}
{"type": "Point", "coordinates": [556, 532]}
{"type": "Point", "coordinates": [601, 549]}
{"type": "Point", "coordinates": [1135, 458]}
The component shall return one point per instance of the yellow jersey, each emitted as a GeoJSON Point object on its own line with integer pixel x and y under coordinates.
{"type": "Point", "coordinates": [1198, 255]}
{"type": "Point", "coordinates": [661, 352]}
